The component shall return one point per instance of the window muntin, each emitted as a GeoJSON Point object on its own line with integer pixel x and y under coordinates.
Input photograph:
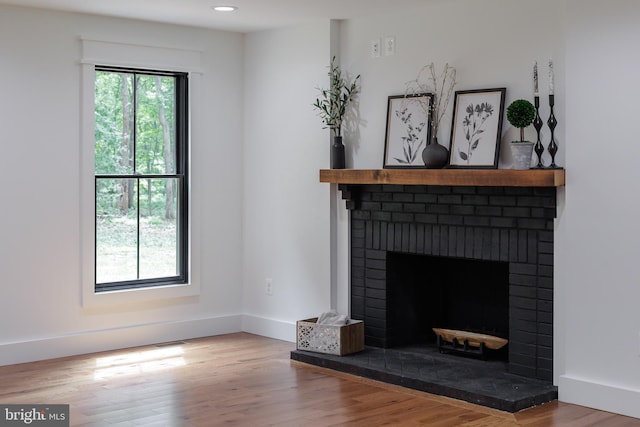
{"type": "Point", "coordinates": [140, 178]}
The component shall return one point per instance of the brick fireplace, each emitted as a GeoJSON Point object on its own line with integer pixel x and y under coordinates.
{"type": "Point", "coordinates": [509, 226]}
{"type": "Point", "coordinates": [458, 249]}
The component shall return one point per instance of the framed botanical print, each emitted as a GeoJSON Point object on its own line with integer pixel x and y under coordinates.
{"type": "Point", "coordinates": [408, 130]}
{"type": "Point", "coordinates": [477, 128]}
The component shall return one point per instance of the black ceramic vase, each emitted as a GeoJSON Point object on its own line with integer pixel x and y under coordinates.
{"type": "Point", "coordinates": [337, 153]}
{"type": "Point", "coordinates": [435, 156]}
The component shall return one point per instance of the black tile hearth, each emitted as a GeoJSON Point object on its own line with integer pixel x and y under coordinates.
{"type": "Point", "coordinates": [424, 368]}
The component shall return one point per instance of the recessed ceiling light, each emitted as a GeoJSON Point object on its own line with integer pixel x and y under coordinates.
{"type": "Point", "coordinates": [224, 8]}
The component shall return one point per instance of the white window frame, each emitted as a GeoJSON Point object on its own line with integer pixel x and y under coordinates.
{"type": "Point", "coordinates": [98, 52]}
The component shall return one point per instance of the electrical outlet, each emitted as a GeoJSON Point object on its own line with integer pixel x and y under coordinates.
{"type": "Point", "coordinates": [268, 288]}
{"type": "Point", "coordinates": [389, 46]}
{"type": "Point", "coordinates": [375, 48]}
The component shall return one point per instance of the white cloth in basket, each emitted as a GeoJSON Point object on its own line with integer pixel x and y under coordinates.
{"type": "Point", "coordinates": [332, 318]}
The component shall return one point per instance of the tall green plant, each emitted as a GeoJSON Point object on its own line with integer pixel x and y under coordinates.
{"type": "Point", "coordinates": [332, 104]}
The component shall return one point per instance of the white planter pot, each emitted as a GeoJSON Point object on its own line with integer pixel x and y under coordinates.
{"type": "Point", "coordinates": [521, 153]}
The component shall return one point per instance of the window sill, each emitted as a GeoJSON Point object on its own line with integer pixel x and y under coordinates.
{"type": "Point", "coordinates": [91, 298]}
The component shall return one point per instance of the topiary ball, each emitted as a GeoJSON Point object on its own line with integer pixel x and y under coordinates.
{"type": "Point", "coordinates": [521, 113]}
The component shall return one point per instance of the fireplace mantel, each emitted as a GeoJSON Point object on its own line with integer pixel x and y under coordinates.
{"type": "Point", "coordinates": [449, 177]}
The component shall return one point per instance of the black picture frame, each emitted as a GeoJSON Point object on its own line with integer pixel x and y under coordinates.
{"type": "Point", "coordinates": [476, 129]}
{"type": "Point", "coordinates": [408, 130]}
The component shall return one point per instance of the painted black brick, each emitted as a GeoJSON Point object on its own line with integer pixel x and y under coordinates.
{"type": "Point", "coordinates": [372, 254]}
{"type": "Point", "coordinates": [475, 200]}
{"type": "Point", "coordinates": [491, 191]}
{"type": "Point", "coordinates": [492, 223]}
{"type": "Point", "coordinates": [463, 210]}
{"type": "Point", "coordinates": [402, 217]}
{"type": "Point", "coordinates": [451, 219]}
{"type": "Point", "coordinates": [427, 218]}
{"type": "Point", "coordinates": [370, 206]}
{"type": "Point", "coordinates": [544, 294]}
{"type": "Point", "coordinates": [392, 207]}
{"type": "Point", "coordinates": [544, 328]}
{"type": "Point", "coordinates": [377, 323]}
{"type": "Point", "coordinates": [358, 214]}
{"type": "Point", "coordinates": [546, 306]}
{"type": "Point", "coordinates": [403, 197]}
{"type": "Point", "coordinates": [376, 303]}
{"type": "Point", "coordinates": [546, 317]}
{"type": "Point", "coordinates": [522, 360]}
{"type": "Point", "coordinates": [372, 273]}
{"type": "Point", "coordinates": [381, 216]}
{"type": "Point", "coordinates": [517, 212]}
{"type": "Point", "coordinates": [382, 197]}
{"type": "Point", "coordinates": [533, 223]}
{"type": "Point", "coordinates": [438, 209]}
{"type": "Point", "coordinates": [413, 238]}
{"type": "Point", "coordinates": [518, 191]}
{"type": "Point", "coordinates": [488, 210]}
{"type": "Point", "coordinates": [523, 280]}
{"type": "Point", "coordinates": [392, 188]}
{"type": "Point", "coordinates": [451, 199]}
{"type": "Point", "coordinates": [481, 221]}
{"type": "Point", "coordinates": [522, 268]}
{"type": "Point", "coordinates": [357, 262]}
{"type": "Point", "coordinates": [503, 200]}
{"type": "Point", "coordinates": [526, 326]}
{"type": "Point", "coordinates": [464, 190]}
{"type": "Point", "coordinates": [415, 207]}
{"type": "Point", "coordinates": [377, 264]}
{"type": "Point", "coordinates": [523, 337]}
{"type": "Point", "coordinates": [545, 271]}
{"type": "Point", "coordinates": [376, 293]}
{"type": "Point", "coordinates": [439, 190]}
{"type": "Point", "coordinates": [545, 259]}
{"type": "Point", "coordinates": [524, 303]}
{"type": "Point", "coordinates": [545, 282]}
{"type": "Point", "coordinates": [502, 222]}
{"type": "Point", "coordinates": [426, 198]}
{"type": "Point", "coordinates": [546, 248]}
{"type": "Point", "coordinates": [523, 291]}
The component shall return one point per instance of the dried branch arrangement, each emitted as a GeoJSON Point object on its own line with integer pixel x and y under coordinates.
{"type": "Point", "coordinates": [441, 85]}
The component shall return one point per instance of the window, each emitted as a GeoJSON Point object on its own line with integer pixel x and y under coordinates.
{"type": "Point", "coordinates": [140, 156]}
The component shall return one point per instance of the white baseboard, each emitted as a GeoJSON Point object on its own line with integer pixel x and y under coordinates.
{"type": "Point", "coordinates": [277, 329]}
{"type": "Point", "coordinates": [111, 339]}
{"type": "Point", "coordinates": [605, 397]}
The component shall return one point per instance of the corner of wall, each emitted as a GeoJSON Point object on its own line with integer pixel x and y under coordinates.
{"type": "Point", "coordinates": [277, 329]}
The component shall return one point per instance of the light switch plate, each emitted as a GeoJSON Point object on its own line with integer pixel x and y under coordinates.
{"type": "Point", "coordinates": [375, 48]}
{"type": "Point", "coordinates": [389, 46]}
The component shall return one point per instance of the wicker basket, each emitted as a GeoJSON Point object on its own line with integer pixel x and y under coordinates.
{"type": "Point", "coordinates": [330, 339]}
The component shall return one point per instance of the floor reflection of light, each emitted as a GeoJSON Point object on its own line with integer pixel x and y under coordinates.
{"type": "Point", "coordinates": [138, 362]}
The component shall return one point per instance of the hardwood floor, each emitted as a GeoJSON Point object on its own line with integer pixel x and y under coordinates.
{"type": "Point", "coordinates": [247, 380]}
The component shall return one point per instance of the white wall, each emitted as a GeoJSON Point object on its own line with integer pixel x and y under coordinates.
{"type": "Point", "coordinates": [600, 286]}
{"type": "Point", "coordinates": [286, 208]}
{"type": "Point", "coordinates": [40, 252]}
{"type": "Point", "coordinates": [491, 43]}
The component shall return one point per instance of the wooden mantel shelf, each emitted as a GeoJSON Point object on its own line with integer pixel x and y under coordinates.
{"type": "Point", "coordinates": [450, 177]}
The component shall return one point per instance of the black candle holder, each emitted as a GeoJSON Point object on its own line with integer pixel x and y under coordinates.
{"type": "Point", "coordinates": [537, 123]}
{"type": "Point", "coordinates": [552, 122]}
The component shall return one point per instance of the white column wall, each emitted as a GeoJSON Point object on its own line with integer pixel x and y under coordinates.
{"type": "Point", "coordinates": [286, 208]}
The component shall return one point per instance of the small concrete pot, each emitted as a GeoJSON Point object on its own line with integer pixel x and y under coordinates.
{"type": "Point", "coordinates": [521, 153]}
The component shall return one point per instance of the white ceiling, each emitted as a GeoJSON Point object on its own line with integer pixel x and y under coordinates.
{"type": "Point", "coordinates": [252, 15]}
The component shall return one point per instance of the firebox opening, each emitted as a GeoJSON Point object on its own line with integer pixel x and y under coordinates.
{"type": "Point", "coordinates": [424, 292]}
